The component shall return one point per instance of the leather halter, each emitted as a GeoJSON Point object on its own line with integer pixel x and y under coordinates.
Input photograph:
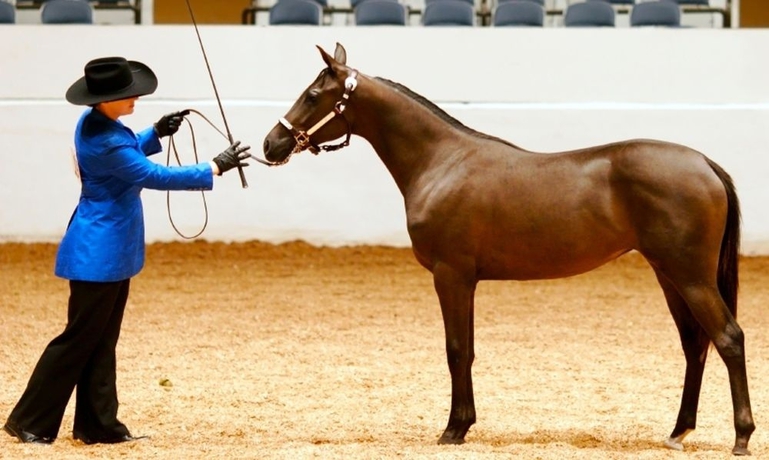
{"type": "Point", "coordinates": [302, 138]}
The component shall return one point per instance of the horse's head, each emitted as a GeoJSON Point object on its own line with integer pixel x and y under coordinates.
{"type": "Point", "coordinates": [319, 115]}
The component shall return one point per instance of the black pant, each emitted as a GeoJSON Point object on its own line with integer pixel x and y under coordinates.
{"type": "Point", "coordinates": [83, 356]}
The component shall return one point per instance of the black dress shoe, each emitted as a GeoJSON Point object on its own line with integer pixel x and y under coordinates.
{"type": "Point", "coordinates": [110, 440]}
{"type": "Point", "coordinates": [25, 436]}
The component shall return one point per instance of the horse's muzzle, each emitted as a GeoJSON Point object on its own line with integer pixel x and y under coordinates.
{"type": "Point", "coordinates": [278, 145]}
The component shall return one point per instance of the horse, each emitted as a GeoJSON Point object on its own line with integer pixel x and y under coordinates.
{"type": "Point", "coordinates": [481, 208]}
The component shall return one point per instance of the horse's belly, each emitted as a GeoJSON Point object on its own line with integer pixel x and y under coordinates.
{"type": "Point", "coordinates": [520, 267]}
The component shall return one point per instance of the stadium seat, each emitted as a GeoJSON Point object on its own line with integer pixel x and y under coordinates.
{"type": "Point", "coordinates": [296, 12]}
{"type": "Point", "coordinates": [589, 14]}
{"type": "Point", "coordinates": [355, 3]}
{"type": "Point", "coordinates": [7, 13]}
{"type": "Point", "coordinates": [381, 12]}
{"type": "Point", "coordinates": [719, 14]}
{"type": "Point", "coordinates": [692, 2]}
{"type": "Point", "coordinates": [662, 13]}
{"type": "Point", "coordinates": [448, 13]}
{"type": "Point", "coordinates": [616, 2]}
{"type": "Point", "coordinates": [426, 2]}
{"type": "Point", "coordinates": [518, 13]}
{"type": "Point", "coordinates": [538, 2]}
{"type": "Point", "coordinates": [66, 12]}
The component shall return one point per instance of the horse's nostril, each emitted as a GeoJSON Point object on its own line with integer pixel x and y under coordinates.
{"type": "Point", "coordinates": [266, 146]}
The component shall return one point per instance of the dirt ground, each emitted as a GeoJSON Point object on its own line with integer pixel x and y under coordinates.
{"type": "Point", "coordinates": [292, 351]}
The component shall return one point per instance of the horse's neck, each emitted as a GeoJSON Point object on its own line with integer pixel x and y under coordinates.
{"type": "Point", "coordinates": [406, 135]}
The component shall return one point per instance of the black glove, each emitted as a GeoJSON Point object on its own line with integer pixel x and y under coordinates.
{"type": "Point", "coordinates": [233, 157]}
{"type": "Point", "coordinates": [169, 124]}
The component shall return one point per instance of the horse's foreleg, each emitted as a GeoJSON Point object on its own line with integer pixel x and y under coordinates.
{"type": "Point", "coordinates": [695, 345]}
{"type": "Point", "coordinates": [456, 294]}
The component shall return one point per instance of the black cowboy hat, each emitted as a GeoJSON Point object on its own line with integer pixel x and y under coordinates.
{"type": "Point", "coordinates": [110, 79]}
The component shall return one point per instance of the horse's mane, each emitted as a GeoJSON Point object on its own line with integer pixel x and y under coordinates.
{"type": "Point", "coordinates": [440, 112]}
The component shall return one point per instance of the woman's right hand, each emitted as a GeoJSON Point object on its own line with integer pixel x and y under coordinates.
{"type": "Point", "coordinates": [233, 157]}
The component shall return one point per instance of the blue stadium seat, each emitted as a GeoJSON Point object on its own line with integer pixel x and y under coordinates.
{"type": "Point", "coordinates": [616, 2]}
{"type": "Point", "coordinates": [380, 13]}
{"type": "Point", "coordinates": [354, 3]}
{"type": "Point", "coordinates": [448, 13]}
{"type": "Point", "coordinates": [538, 2]}
{"type": "Point", "coordinates": [692, 2]}
{"type": "Point", "coordinates": [472, 2]}
{"type": "Point", "coordinates": [589, 14]}
{"type": "Point", "coordinates": [66, 12]}
{"type": "Point", "coordinates": [7, 13]}
{"type": "Point", "coordinates": [296, 12]}
{"type": "Point", "coordinates": [657, 13]}
{"type": "Point", "coordinates": [518, 13]}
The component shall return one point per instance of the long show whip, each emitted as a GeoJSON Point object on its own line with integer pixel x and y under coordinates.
{"type": "Point", "coordinates": [216, 92]}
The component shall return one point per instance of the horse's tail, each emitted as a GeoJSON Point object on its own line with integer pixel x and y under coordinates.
{"type": "Point", "coordinates": [728, 261]}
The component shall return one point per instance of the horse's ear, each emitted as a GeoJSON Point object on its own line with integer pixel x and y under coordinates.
{"type": "Point", "coordinates": [326, 58]}
{"type": "Point", "coordinates": [340, 55]}
{"type": "Point", "coordinates": [334, 63]}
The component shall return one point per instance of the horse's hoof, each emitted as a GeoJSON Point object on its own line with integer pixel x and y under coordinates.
{"type": "Point", "coordinates": [675, 444]}
{"type": "Point", "coordinates": [447, 440]}
{"type": "Point", "coordinates": [740, 451]}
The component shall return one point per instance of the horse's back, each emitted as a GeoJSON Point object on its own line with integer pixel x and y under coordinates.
{"type": "Point", "coordinates": [639, 171]}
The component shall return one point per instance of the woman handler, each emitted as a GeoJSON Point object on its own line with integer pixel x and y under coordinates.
{"type": "Point", "coordinates": [102, 249]}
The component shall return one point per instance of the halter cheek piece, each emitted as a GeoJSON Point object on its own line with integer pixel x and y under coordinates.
{"type": "Point", "coordinates": [302, 138]}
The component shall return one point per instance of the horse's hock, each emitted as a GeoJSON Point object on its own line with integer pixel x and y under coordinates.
{"type": "Point", "coordinates": [291, 351]}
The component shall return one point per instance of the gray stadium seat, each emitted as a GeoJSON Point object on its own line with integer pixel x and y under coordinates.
{"type": "Point", "coordinates": [380, 13]}
{"type": "Point", "coordinates": [354, 3]}
{"type": "Point", "coordinates": [538, 2]}
{"type": "Point", "coordinates": [692, 2]}
{"type": "Point", "coordinates": [657, 13]}
{"type": "Point", "coordinates": [589, 14]}
{"type": "Point", "coordinates": [296, 12]}
{"type": "Point", "coordinates": [7, 13]}
{"type": "Point", "coordinates": [472, 2]}
{"type": "Point", "coordinates": [448, 13]}
{"type": "Point", "coordinates": [616, 2]}
{"type": "Point", "coordinates": [66, 12]}
{"type": "Point", "coordinates": [518, 13]}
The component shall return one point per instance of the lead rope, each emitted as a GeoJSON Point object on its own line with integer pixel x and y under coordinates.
{"type": "Point", "coordinates": [172, 148]}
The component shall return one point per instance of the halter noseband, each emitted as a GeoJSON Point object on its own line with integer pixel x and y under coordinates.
{"type": "Point", "coordinates": [302, 138]}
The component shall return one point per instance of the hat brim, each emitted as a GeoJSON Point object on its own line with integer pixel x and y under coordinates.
{"type": "Point", "coordinates": [145, 82]}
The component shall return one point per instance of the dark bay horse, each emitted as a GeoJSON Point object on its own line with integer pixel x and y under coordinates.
{"type": "Point", "coordinates": [480, 208]}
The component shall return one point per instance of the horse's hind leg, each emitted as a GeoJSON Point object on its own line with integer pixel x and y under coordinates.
{"type": "Point", "coordinates": [456, 294]}
{"type": "Point", "coordinates": [708, 308]}
{"type": "Point", "coordinates": [695, 345]}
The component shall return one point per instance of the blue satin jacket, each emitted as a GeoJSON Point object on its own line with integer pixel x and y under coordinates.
{"type": "Point", "coordinates": [104, 240]}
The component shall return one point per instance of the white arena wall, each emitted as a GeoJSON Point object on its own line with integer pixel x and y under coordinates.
{"type": "Point", "coordinates": [546, 90]}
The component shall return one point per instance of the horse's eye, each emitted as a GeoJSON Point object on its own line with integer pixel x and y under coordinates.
{"type": "Point", "coordinates": [312, 95]}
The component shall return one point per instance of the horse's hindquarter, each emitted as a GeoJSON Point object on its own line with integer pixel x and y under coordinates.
{"type": "Point", "coordinates": [678, 205]}
{"type": "Point", "coordinates": [520, 215]}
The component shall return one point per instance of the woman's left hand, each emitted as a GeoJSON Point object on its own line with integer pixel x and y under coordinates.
{"type": "Point", "coordinates": [169, 124]}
